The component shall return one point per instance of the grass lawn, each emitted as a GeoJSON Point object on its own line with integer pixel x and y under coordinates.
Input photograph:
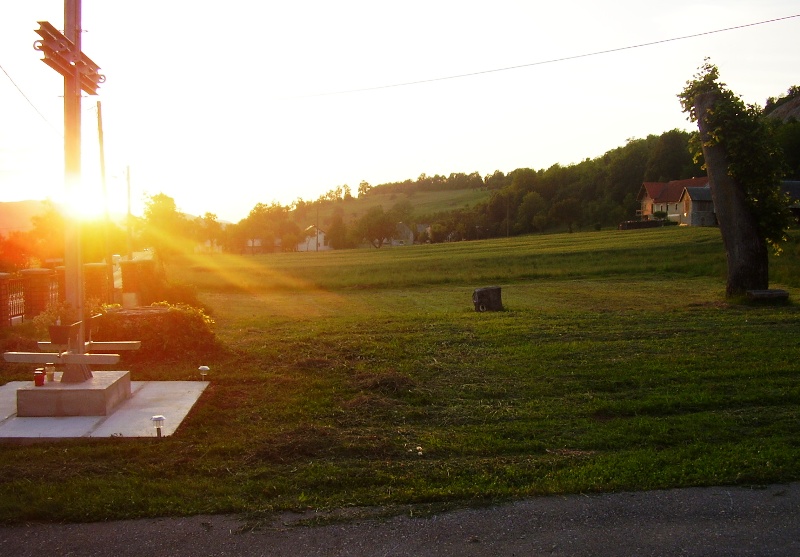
{"type": "Point", "coordinates": [364, 377]}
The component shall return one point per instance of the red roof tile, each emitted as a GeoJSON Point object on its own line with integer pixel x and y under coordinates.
{"type": "Point", "coordinates": [651, 190]}
{"type": "Point", "coordinates": [669, 192]}
{"type": "Point", "coordinates": [692, 182]}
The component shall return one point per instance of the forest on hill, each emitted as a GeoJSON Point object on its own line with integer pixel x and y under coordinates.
{"type": "Point", "coordinates": [592, 194]}
{"type": "Point", "coordinates": [596, 193]}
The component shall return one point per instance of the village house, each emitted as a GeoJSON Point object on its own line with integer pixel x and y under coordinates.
{"type": "Point", "coordinates": [315, 240]}
{"type": "Point", "coordinates": [403, 235]}
{"type": "Point", "coordinates": [671, 201]}
{"type": "Point", "coordinates": [698, 207]}
{"type": "Point", "coordinates": [689, 202]}
{"type": "Point", "coordinates": [253, 245]}
{"type": "Point", "coordinates": [260, 245]}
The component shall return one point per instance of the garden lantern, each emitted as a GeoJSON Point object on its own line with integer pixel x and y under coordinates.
{"type": "Point", "coordinates": [158, 423]}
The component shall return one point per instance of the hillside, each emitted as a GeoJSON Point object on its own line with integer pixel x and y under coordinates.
{"type": "Point", "coordinates": [422, 204]}
{"type": "Point", "coordinates": [786, 110]}
{"type": "Point", "coordinates": [16, 215]}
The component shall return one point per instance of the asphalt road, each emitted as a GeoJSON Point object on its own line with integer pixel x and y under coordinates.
{"type": "Point", "coordinates": [709, 522]}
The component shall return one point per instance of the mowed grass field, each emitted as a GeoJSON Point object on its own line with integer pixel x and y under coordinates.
{"type": "Point", "coordinates": [366, 378]}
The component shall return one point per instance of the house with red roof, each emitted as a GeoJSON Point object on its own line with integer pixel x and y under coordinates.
{"type": "Point", "coordinates": [689, 202]}
{"type": "Point", "coordinates": [686, 202]}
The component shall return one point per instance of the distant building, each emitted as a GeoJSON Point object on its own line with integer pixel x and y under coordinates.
{"type": "Point", "coordinates": [315, 240]}
{"type": "Point", "coordinates": [403, 235]}
{"type": "Point", "coordinates": [666, 198]}
{"type": "Point", "coordinates": [690, 203]}
{"type": "Point", "coordinates": [253, 245]}
{"type": "Point", "coordinates": [698, 207]}
{"type": "Point", "coordinates": [792, 189]}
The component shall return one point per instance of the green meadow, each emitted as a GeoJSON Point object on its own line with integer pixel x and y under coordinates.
{"type": "Point", "coordinates": [423, 203]}
{"type": "Point", "coordinates": [365, 378]}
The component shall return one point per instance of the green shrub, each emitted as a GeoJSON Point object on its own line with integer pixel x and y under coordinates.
{"type": "Point", "coordinates": [13, 341]}
{"type": "Point", "coordinates": [168, 332]}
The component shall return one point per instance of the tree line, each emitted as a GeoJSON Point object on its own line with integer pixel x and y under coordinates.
{"type": "Point", "coordinates": [162, 228]}
{"type": "Point", "coordinates": [593, 194]}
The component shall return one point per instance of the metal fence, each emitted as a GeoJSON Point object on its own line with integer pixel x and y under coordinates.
{"type": "Point", "coordinates": [16, 299]}
{"type": "Point", "coordinates": [26, 296]}
{"type": "Point", "coordinates": [31, 291]}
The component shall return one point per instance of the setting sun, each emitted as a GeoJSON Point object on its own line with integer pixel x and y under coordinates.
{"type": "Point", "coordinates": [86, 204]}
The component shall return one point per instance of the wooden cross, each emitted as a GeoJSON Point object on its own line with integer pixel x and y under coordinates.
{"type": "Point", "coordinates": [62, 52]}
{"type": "Point", "coordinates": [76, 360]}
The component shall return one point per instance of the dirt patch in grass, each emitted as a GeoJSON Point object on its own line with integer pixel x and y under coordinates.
{"type": "Point", "coordinates": [390, 382]}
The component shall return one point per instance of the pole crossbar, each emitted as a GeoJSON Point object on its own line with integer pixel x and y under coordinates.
{"type": "Point", "coordinates": [60, 54]}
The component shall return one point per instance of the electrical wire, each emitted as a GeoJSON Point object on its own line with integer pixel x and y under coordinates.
{"type": "Point", "coordinates": [552, 61]}
{"type": "Point", "coordinates": [24, 96]}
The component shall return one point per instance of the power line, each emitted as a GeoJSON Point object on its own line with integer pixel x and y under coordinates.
{"type": "Point", "coordinates": [29, 101]}
{"type": "Point", "coordinates": [552, 61]}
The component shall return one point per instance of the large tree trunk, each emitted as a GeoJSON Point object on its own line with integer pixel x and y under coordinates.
{"type": "Point", "coordinates": [748, 262]}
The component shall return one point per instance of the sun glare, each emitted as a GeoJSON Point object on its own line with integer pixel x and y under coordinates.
{"type": "Point", "coordinates": [84, 205]}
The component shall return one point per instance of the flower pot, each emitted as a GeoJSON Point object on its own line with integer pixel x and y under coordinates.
{"type": "Point", "coordinates": [64, 335]}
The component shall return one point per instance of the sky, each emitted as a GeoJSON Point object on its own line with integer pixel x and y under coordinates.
{"type": "Point", "coordinates": [223, 105]}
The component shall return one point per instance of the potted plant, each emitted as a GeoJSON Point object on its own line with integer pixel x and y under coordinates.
{"type": "Point", "coordinates": [63, 324]}
{"type": "Point", "coordinates": [64, 335]}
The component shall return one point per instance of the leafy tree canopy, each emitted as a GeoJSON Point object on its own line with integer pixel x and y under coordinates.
{"type": "Point", "coordinates": [755, 159]}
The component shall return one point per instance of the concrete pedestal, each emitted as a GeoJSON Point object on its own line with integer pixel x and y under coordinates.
{"type": "Point", "coordinates": [97, 396]}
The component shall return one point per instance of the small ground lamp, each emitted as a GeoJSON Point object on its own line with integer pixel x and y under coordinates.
{"type": "Point", "coordinates": [158, 423]}
{"type": "Point", "coordinates": [203, 372]}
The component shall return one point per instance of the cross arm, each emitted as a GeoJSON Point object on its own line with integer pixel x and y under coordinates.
{"type": "Point", "coordinates": [96, 345]}
{"type": "Point", "coordinates": [60, 358]}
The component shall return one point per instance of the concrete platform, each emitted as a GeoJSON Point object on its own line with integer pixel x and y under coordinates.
{"type": "Point", "coordinates": [98, 396]}
{"type": "Point", "coordinates": [132, 418]}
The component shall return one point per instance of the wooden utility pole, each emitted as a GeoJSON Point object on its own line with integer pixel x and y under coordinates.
{"type": "Point", "coordinates": [107, 242]}
{"type": "Point", "coordinates": [129, 221]}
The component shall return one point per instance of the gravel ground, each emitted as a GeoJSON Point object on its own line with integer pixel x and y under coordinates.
{"type": "Point", "coordinates": [709, 522]}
